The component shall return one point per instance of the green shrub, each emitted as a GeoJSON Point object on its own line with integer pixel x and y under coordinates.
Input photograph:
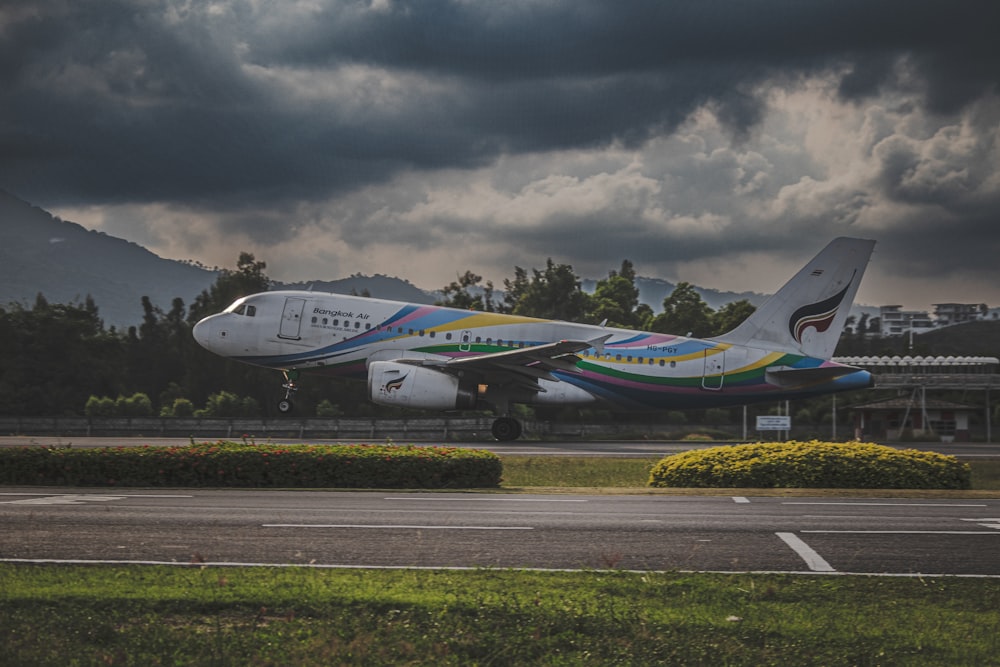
{"type": "Point", "coordinates": [231, 464]}
{"type": "Point", "coordinates": [99, 407]}
{"type": "Point", "coordinates": [136, 405]}
{"type": "Point", "coordinates": [328, 410]}
{"type": "Point", "coordinates": [811, 464]}
{"type": "Point", "coordinates": [180, 407]}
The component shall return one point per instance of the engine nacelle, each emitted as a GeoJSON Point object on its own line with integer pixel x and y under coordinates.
{"type": "Point", "coordinates": [407, 386]}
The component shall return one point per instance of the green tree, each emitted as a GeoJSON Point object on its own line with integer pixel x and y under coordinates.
{"type": "Point", "coordinates": [53, 357]}
{"type": "Point", "coordinates": [616, 299]}
{"type": "Point", "coordinates": [731, 316]}
{"type": "Point", "coordinates": [684, 313]}
{"type": "Point", "coordinates": [554, 293]}
{"type": "Point", "coordinates": [248, 278]}
{"type": "Point", "coordinates": [458, 294]}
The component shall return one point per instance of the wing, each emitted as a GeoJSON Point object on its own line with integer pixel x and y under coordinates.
{"type": "Point", "coordinates": [521, 368]}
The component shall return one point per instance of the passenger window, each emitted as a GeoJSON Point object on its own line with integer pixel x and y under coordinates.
{"type": "Point", "coordinates": [447, 336]}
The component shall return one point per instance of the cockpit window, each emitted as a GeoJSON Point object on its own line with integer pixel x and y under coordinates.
{"type": "Point", "coordinates": [241, 307]}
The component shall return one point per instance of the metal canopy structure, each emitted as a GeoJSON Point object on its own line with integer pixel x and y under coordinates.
{"type": "Point", "coordinates": [919, 374]}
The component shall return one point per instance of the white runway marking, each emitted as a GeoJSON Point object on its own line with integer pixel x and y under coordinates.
{"type": "Point", "coordinates": [813, 560]}
{"type": "Point", "coordinates": [460, 568]}
{"type": "Point", "coordinates": [793, 502]}
{"type": "Point", "coordinates": [76, 498]}
{"type": "Point", "coordinates": [392, 526]}
{"type": "Point", "coordinates": [740, 499]}
{"type": "Point", "coordinates": [986, 523]}
{"type": "Point", "coordinates": [902, 532]}
{"type": "Point", "coordinates": [466, 499]}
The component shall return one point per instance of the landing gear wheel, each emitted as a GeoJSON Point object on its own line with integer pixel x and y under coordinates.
{"type": "Point", "coordinates": [506, 428]}
{"type": "Point", "coordinates": [285, 404]}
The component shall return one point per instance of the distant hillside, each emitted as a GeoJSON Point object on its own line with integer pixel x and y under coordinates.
{"type": "Point", "coordinates": [971, 339]}
{"type": "Point", "coordinates": [377, 286]}
{"type": "Point", "coordinates": [40, 253]}
{"type": "Point", "coordinates": [65, 262]}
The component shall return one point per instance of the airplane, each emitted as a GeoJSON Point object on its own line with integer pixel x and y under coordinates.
{"type": "Point", "coordinates": [440, 358]}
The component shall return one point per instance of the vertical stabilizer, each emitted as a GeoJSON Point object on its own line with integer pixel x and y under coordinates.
{"type": "Point", "coordinates": [807, 315]}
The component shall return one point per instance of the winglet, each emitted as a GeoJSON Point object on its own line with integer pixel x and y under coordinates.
{"type": "Point", "coordinates": [598, 343]}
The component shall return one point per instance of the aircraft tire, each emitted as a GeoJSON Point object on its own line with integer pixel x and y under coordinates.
{"type": "Point", "coordinates": [284, 406]}
{"type": "Point", "coordinates": [506, 428]}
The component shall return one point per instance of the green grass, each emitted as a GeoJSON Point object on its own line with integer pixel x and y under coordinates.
{"type": "Point", "coordinates": [611, 472]}
{"type": "Point", "coordinates": [985, 474]}
{"type": "Point", "coordinates": [189, 615]}
{"type": "Point", "coordinates": [575, 471]}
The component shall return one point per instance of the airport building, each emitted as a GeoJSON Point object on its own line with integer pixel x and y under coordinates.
{"type": "Point", "coordinates": [912, 413]}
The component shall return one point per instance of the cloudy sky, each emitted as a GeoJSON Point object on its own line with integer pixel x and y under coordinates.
{"type": "Point", "coordinates": [722, 142]}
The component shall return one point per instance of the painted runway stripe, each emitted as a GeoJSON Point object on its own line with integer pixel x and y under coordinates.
{"type": "Point", "coordinates": [466, 499]}
{"type": "Point", "coordinates": [740, 499]}
{"type": "Point", "coordinates": [390, 526]}
{"type": "Point", "coordinates": [813, 560]}
{"type": "Point", "coordinates": [903, 532]}
{"type": "Point", "coordinates": [459, 568]}
{"type": "Point", "coordinates": [792, 502]}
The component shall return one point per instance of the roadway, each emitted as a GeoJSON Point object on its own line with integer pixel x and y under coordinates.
{"type": "Point", "coordinates": [633, 448]}
{"type": "Point", "coordinates": [649, 532]}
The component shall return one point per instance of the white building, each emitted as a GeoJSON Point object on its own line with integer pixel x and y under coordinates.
{"type": "Point", "coordinates": [957, 313]}
{"type": "Point", "coordinates": [894, 321]}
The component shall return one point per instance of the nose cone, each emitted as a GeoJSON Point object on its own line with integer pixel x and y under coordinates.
{"type": "Point", "coordinates": [203, 332]}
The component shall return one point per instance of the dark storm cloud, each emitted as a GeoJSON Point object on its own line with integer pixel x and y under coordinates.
{"type": "Point", "coordinates": [152, 101]}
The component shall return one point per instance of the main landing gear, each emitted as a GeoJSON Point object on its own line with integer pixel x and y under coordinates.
{"type": "Point", "coordinates": [285, 405]}
{"type": "Point", "coordinates": [506, 428]}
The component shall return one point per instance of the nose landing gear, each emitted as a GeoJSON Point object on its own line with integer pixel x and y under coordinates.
{"type": "Point", "coordinates": [285, 405]}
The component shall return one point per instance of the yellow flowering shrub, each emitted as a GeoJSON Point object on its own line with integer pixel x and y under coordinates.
{"type": "Point", "coordinates": [813, 464]}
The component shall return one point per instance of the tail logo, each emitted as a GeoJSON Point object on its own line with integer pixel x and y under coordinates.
{"type": "Point", "coordinates": [817, 315]}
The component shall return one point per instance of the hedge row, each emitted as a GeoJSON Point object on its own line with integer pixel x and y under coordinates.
{"type": "Point", "coordinates": [812, 465]}
{"type": "Point", "coordinates": [233, 464]}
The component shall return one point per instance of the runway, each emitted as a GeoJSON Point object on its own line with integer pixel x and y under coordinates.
{"type": "Point", "coordinates": [653, 532]}
{"type": "Point", "coordinates": [617, 448]}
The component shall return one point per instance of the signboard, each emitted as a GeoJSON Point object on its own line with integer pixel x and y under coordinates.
{"type": "Point", "coordinates": [773, 423]}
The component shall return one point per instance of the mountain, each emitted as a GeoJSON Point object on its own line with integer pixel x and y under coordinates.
{"type": "Point", "coordinates": [377, 286]}
{"type": "Point", "coordinates": [41, 254]}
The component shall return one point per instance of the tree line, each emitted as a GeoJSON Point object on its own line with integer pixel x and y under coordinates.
{"type": "Point", "coordinates": [59, 359]}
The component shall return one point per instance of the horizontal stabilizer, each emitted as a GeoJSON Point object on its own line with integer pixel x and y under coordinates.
{"type": "Point", "coordinates": [787, 377]}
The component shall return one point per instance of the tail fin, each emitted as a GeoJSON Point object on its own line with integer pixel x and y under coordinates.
{"type": "Point", "coordinates": [807, 315]}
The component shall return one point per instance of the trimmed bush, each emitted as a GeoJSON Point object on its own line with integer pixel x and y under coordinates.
{"type": "Point", "coordinates": [231, 464]}
{"type": "Point", "coordinates": [811, 465]}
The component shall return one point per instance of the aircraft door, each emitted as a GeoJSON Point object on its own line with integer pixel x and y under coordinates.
{"type": "Point", "coordinates": [715, 369]}
{"type": "Point", "coordinates": [291, 318]}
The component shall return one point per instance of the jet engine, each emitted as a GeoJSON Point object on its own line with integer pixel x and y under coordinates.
{"type": "Point", "coordinates": [408, 386]}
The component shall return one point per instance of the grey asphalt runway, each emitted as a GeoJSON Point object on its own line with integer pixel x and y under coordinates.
{"type": "Point", "coordinates": [633, 448]}
{"type": "Point", "coordinates": [896, 536]}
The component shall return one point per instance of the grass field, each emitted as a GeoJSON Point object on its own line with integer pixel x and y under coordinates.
{"type": "Point", "coordinates": [190, 615]}
{"type": "Point", "coordinates": [196, 615]}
